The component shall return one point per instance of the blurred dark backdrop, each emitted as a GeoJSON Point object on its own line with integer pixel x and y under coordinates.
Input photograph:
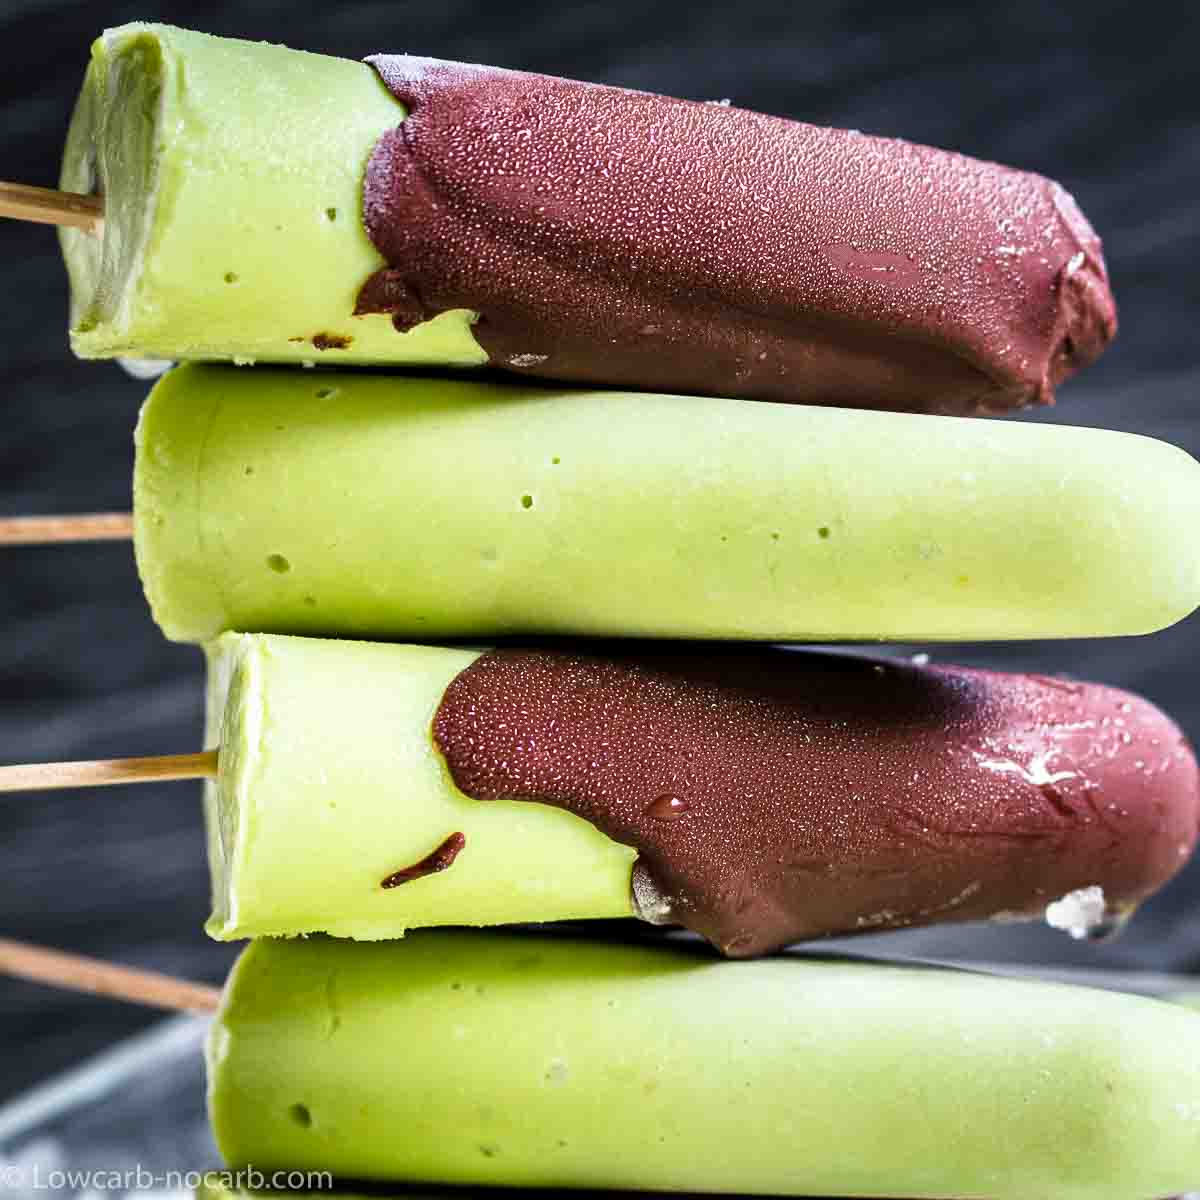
{"type": "Point", "coordinates": [1101, 96]}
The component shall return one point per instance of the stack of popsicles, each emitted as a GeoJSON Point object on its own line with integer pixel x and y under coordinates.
{"type": "Point", "coordinates": [553, 241]}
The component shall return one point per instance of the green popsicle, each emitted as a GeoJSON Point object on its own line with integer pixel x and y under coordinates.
{"type": "Point", "coordinates": [214, 219]}
{"type": "Point", "coordinates": [505, 1059]}
{"type": "Point", "coordinates": [257, 198]}
{"type": "Point", "coordinates": [344, 504]}
{"type": "Point", "coordinates": [222, 1185]}
{"type": "Point", "coordinates": [539, 785]}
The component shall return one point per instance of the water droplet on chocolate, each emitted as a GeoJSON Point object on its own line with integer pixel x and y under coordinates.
{"type": "Point", "coordinates": [667, 807]}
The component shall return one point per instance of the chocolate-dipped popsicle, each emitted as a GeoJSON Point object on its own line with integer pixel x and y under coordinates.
{"type": "Point", "coordinates": [756, 796]}
{"type": "Point", "coordinates": [558, 229]}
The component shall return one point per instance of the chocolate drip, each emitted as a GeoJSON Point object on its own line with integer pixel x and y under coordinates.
{"type": "Point", "coordinates": [617, 237]}
{"type": "Point", "coordinates": [774, 795]}
{"type": "Point", "coordinates": [431, 864]}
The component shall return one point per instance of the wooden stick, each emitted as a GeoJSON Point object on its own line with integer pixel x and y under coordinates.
{"type": "Point", "coordinates": [49, 207]}
{"type": "Point", "coordinates": [82, 527]}
{"type": "Point", "coordinates": [78, 973]}
{"type": "Point", "coordinates": [104, 772]}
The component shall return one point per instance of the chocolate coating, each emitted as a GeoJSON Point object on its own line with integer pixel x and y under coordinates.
{"type": "Point", "coordinates": [617, 237]}
{"type": "Point", "coordinates": [774, 796]}
{"type": "Point", "coordinates": [436, 860]}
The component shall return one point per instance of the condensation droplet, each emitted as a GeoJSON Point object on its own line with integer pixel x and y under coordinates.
{"type": "Point", "coordinates": [667, 807]}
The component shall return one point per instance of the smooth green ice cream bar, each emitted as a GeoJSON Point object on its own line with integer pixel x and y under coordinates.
{"type": "Point", "coordinates": [330, 782]}
{"type": "Point", "coordinates": [468, 1058]}
{"type": "Point", "coordinates": [431, 508]}
{"type": "Point", "coordinates": [232, 180]}
{"type": "Point", "coordinates": [222, 1185]}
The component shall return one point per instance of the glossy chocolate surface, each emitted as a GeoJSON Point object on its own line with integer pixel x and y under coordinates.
{"type": "Point", "coordinates": [616, 237]}
{"type": "Point", "coordinates": [775, 795]}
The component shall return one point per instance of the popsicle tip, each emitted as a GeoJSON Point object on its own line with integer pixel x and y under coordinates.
{"type": "Point", "coordinates": [47, 206]}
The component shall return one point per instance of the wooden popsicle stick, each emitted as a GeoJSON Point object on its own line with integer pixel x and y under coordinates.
{"type": "Point", "coordinates": [79, 973]}
{"type": "Point", "coordinates": [80, 527]}
{"type": "Point", "coordinates": [105, 772]}
{"type": "Point", "coordinates": [49, 207]}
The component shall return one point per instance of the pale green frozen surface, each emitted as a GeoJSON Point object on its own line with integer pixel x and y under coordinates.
{"type": "Point", "coordinates": [507, 1059]}
{"type": "Point", "coordinates": [330, 781]}
{"type": "Point", "coordinates": [423, 509]}
{"type": "Point", "coordinates": [232, 173]}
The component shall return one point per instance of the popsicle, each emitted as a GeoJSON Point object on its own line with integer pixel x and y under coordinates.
{"type": "Point", "coordinates": [429, 508]}
{"type": "Point", "coordinates": [221, 1185]}
{"type": "Point", "coordinates": [811, 999]}
{"type": "Point", "coordinates": [265, 204]}
{"type": "Point", "coordinates": [498, 1058]}
{"type": "Point", "coordinates": [666, 969]}
{"type": "Point", "coordinates": [756, 796]}
{"type": "Point", "coordinates": [224, 1185]}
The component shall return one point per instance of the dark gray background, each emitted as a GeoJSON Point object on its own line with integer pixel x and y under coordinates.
{"type": "Point", "coordinates": [1101, 96]}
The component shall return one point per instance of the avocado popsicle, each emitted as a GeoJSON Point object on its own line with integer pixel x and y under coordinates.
{"type": "Point", "coordinates": [435, 508]}
{"type": "Point", "coordinates": [225, 1185]}
{"type": "Point", "coordinates": [266, 204]}
{"type": "Point", "coordinates": [541, 1061]}
{"type": "Point", "coordinates": [756, 796]}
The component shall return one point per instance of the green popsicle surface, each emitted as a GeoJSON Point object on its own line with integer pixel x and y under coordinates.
{"type": "Point", "coordinates": [329, 782]}
{"type": "Point", "coordinates": [222, 1185]}
{"type": "Point", "coordinates": [232, 180]}
{"type": "Point", "coordinates": [505, 1059]}
{"type": "Point", "coordinates": [431, 508]}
